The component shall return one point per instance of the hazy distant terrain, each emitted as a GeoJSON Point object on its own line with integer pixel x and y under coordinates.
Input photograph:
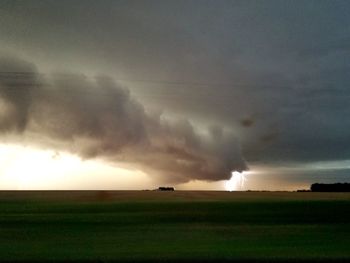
{"type": "Point", "coordinates": [174, 226]}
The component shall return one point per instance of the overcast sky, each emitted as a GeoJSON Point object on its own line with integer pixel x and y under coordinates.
{"type": "Point", "coordinates": [183, 90]}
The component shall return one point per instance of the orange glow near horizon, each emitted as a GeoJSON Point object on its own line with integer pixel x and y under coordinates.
{"type": "Point", "coordinates": [27, 168]}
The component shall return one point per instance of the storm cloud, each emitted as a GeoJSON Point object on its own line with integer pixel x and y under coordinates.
{"type": "Point", "coordinates": [98, 118]}
{"type": "Point", "coordinates": [267, 80]}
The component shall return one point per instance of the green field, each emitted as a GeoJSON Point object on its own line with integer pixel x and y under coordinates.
{"type": "Point", "coordinates": [174, 226]}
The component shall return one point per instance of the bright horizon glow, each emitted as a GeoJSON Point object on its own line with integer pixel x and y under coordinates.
{"type": "Point", "coordinates": [28, 168]}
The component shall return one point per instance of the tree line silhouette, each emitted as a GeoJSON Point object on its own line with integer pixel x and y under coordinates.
{"type": "Point", "coordinates": [337, 187]}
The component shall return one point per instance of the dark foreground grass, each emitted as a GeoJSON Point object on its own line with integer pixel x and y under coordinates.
{"type": "Point", "coordinates": [160, 229]}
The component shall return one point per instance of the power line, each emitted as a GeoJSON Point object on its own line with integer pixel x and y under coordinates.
{"type": "Point", "coordinates": [17, 74]}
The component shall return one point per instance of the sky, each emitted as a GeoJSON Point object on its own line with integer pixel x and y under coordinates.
{"type": "Point", "coordinates": [138, 94]}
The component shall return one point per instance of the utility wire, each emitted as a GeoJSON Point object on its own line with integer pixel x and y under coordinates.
{"type": "Point", "coordinates": [19, 74]}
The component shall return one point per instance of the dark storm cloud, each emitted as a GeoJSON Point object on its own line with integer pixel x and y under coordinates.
{"type": "Point", "coordinates": [275, 72]}
{"type": "Point", "coordinates": [15, 104]}
{"type": "Point", "coordinates": [99, 118]}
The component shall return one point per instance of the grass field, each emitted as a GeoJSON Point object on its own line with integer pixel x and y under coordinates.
{"type": "Point", "coordinates": [174, 226]}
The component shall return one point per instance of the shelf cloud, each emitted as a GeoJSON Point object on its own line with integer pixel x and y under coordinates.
{"type": "Point", "coordinates": [98, 118]}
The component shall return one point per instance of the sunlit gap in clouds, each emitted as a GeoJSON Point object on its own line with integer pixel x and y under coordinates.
{"type": "Point", "coordinates": [28, 168]}
{"type": "Point", "coordinates": [237, 181]}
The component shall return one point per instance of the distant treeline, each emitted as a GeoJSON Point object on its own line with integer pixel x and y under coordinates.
{"type": "Point", "coordinates": [338, 187]}
{"type": "Point", "coordinates": [162, 188]}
